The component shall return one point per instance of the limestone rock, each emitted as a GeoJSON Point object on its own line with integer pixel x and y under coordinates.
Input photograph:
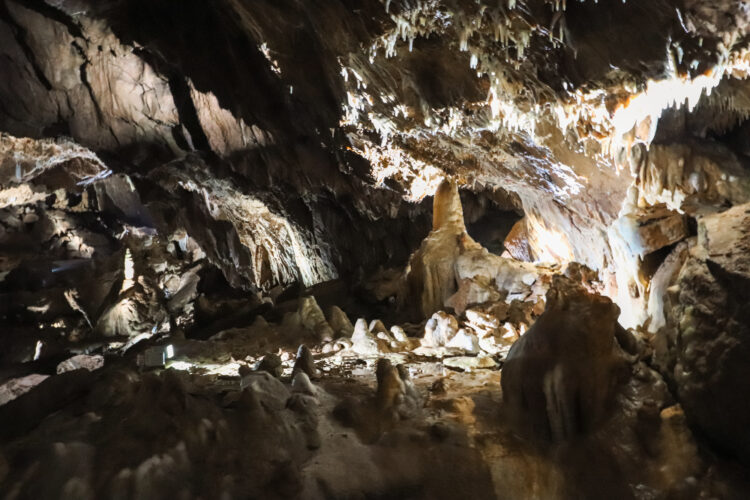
{"type": "Point", "coordinates": [391, 390]}
{"type": "Point", "coordinates": [559, 376]}
{"type": "Point", "coordinates": [399, 334]}
{"type": "Point", "coordinates": [439, 330]}
{"type": "Point", "coordinates": [271, 363]}
{"type": "Point", "coordinates": [291, 321]}
{"type": "Point", "coordinates": [470, 363]}
{"type": "Point", "coordinates": [378, 329]}
{"type": "Point", "coordinates": [709, 330]}
{"type": "Point", "coordinates": [658, 233]}
{"type": "Point", "coordinates": [431, 277]}
{"type": "Point", "coordinates": [263, 390]}
{"type": "Point", "coordinates": [376, 326]}
{"type": "Point", "coordinates": [465, 341]}
{"type": "Point", "coordinates": [451, 269]}
{"type": "Point", "coordinates": [136, 311]}
{"type": "Point", "coordinates": [396, 396]}
{"type": "Point", "coordinates": [691, 176]}
{"type": "Point", "coordinates": [491, 346]}
{"type": "Point", "coordinates": [471, 292]}
{"type": "Point", "coordinates": [305, 363]}
{"type": "Point", "coordinates": [313, 319]}
{"type": "Point", "coordinates": [259, 323]}
{"type": "Point", "coordinates": [517, 242]}
{"type": "Point", "coordinates": [15, 387]}
{"type": "Point", "coordinates": [482, 323]}
{"type": "Point", "coordinates": [301, 383]}
{"type": "Point", "coordinates": [90, 363]}
{"type": "Point", "coordinates": [412, 399]}
{"type": "Point", "coordinates": [342, 343]}
{"type": "Point", "coordinates": [363, 341]}
{"type": "Point", "coordinates": [339, 321]}
{"type": "Point", "coordinates": [664, 277]}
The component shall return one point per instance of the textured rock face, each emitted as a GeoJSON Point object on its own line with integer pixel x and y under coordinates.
{"type": "Point", "coordinates": [109, 76]}
{"type": "Point", "coordinates": [451, 269]}
{"type": "Point", "coordinates": [209, 178]}
{"type": "Point", "coordinates": [558, 378]}
{"type": "Point", "coordinates": [522, 97]}
{"type": "Point", "coordinates": [710, 346]}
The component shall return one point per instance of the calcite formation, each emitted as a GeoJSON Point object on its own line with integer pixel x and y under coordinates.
{"type": "Point", "coordinates": [450, 268]}
{"type": "Point", "coordinates": [559, 377]}
{"type": "Point", "coordinates": [218, 275]}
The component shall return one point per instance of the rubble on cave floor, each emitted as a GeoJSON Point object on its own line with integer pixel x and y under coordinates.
{"type": "Point", "coordinates": [300, 410]}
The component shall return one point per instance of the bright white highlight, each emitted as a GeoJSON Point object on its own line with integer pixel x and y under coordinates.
{"type": "Point", "coordinates": [129, 266]}
{"type": "Point", "coordinates": [38, 349]}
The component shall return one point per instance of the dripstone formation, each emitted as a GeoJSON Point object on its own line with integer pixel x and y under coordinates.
{"type": "Point", "coordinates": [375, 249]}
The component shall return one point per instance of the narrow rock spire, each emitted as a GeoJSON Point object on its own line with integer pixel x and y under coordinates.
{"type": "Point", "coordinates": [446, 206]}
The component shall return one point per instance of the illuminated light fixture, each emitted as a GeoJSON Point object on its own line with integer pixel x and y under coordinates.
{"type": "Point", "coordinates": [155, 357]}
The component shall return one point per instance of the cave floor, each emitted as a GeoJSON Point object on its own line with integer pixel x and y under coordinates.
{"type": "Point", "coordinates": [209, 421]}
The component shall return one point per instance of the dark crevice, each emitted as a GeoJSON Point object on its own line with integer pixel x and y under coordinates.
{"type": "Point", "coordinates": [651, 262]}
{"type": "Point", "coordinates": [85, 81]}
{"type": "Point", "coordinates": [187, 112]}
{"type": "Point", "coordinates": [178, 86]}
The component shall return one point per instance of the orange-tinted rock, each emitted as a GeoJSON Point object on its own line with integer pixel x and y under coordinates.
{"type": "Point", "coordinates": [517, 242]}
{"type": "Point", "coordinates": [559, 376]}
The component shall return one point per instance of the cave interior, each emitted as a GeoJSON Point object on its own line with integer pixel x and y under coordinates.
{"type": "Point", "coordinates": [339, 249]}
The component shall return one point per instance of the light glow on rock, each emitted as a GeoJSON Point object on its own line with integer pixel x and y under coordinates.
{"type": "Point", "coordinates": [38, 349]}
{"type": "Point", "coordinates": [180, 365]}
{"type": "Point", "coordinates": [129, 267]}
{"type": "Point", "coordinates": [225, 370]}
{"type": "Point", "coordinates": [660, 95]}
{"type": "Point", "coordinates": [547, 243]}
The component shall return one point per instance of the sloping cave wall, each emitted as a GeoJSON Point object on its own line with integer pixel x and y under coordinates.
{"type": "Point", "coordinates": [142, 84]}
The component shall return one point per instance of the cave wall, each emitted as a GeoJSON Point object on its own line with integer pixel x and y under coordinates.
{"type": "Point", "coordinates": [343, 114]}
{"type": "Point", "coordinates": [144, 83]}
{"type": "Point", "coordinates": [154, 152]}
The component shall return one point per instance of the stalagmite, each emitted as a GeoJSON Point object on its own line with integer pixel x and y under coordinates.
{"type": "Point", "coordinates": [559, 377]}
{"type": "Point", "coordinates": [340, 322]}
{"type": "Point", "coordinates": [448, 257]}
{"type": "Point", "coordinates": [312, 318]}
{"type": "Point", "coordinates": [536, 212]}
{"type": "Point", "coordinates": [431, 277]}
{"type": "Point", "coordinates": [363, 341]}
{"type": "Point", "coordinates": [305, 363]}
{"type": "Point", "coordinates": [271, 363]}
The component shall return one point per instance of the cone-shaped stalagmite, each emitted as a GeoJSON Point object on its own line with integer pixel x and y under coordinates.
{"type": "Point", "coordinates": [431, 278]}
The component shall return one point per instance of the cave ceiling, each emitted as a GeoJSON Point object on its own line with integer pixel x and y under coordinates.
{"type": "Point", "coordinates": [547, 107]}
